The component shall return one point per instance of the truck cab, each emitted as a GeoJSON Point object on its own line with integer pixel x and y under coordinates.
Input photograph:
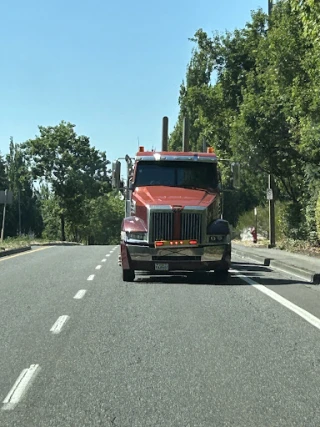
{"type": "Point", "coordinates": [173, 217]}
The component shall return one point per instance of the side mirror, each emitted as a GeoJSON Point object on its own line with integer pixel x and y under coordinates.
{"type": "Point", "coordinates": [235, 167]}
{"type": "Point", "coordinates": [116, 169]}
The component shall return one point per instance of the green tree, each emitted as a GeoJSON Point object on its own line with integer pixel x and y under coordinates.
{"type": "Point", "coordinates": [105, 215]}
{"type": "Point", "coordinates": [254, 95]}
{"type": "Point", "coordinates": [3, 175]}
{"type": "Point", "coordinates": [74, 170]}
{"type": "Point", "coordinates": [23, 215]}
{"type": "Point", "coordinates": [212, 97]}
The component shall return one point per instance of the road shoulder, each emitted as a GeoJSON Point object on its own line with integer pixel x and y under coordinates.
{"type": "Point", "coordinates": [301, 293]}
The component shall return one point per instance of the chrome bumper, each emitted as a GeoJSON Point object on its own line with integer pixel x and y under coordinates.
{"type": "Point", "coordinates": [204, 254]}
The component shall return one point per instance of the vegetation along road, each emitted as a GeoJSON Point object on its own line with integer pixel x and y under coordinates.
{"type": "Point", "coordinates": [81, 347]}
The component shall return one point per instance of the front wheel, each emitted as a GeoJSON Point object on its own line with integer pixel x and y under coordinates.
{"type": "Point", "coordinates": [222, 274]}
{"type": "Point", "coordinates": [128, 275]}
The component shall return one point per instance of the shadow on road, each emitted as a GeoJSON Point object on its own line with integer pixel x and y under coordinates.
{"type": "Point", "coordinates": [252, 271]}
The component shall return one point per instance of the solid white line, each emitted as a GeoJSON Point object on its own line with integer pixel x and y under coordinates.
{"type": "Point", "coordinates": [103, 260]}
{"type": "Point", "coordinates": [80, 294]}
{"type": "Point", "coordinates": [313, 320]}
{"type": "Point", "coordinates": [58, 325]}
{"type": "Point", "coordinates": [91, 277]}
{"type": "Point", "coordinates": [272, 267]}
{"type": "Point", "coordinates": [20, 387]}
{"type": "Point", "coordinates": [98, 267]}
{"type": "Point", "coordinates": [288, 273]}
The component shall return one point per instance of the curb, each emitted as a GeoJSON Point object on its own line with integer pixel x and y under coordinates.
{"type": "Point", "coordinates": [248, 255]}
{"type": "Point", "coordinates": [57, 244]}
{"type": "Point", "coordinates": [14, 251]}
{"type": "Point", "coordinates": [308, 275]}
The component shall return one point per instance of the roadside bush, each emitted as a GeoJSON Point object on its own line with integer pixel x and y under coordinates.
{"type": "Point", "coordinates": [247, 220]}
{"type": "Point", "coordinates": [291, 221]}
{"type": "Point", "coordinates": [311, 222]}
{"type": "Point", "coordinates": [317, 217]}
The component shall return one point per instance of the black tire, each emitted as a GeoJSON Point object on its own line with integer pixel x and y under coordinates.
{"type": "Point", "coordinates": [198, 277]}
{"type": "Point", "coordinates": [222, 274]}
{"type": "Point", "coordinates": [128, 275]}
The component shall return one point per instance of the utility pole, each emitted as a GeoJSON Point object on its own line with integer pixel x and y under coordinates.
{"type": "Point", "coordinates": [4, 215]}
{"type": "Point", "coordinates": [185, 135]}
{"type": "Point", "coordinates": [271, 186]}
{"type": "Point", "coordinates": [19, 196]}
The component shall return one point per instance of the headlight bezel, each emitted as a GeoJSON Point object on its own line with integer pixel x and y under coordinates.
{"type": "Point", "coordinates": [219, 238]}
{"type": "Point", "coordinates": [136, 236]}
{"type": "Point", "coordinates": [218, 232]}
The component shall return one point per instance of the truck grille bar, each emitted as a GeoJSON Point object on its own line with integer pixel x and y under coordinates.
{"type": "Point", "coordinates": [191, 225]}
{"type": "Point", "coordinates": [162, 226]}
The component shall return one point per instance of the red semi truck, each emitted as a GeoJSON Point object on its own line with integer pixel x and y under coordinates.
{"type": "Point", "coordinates": [173, 216]}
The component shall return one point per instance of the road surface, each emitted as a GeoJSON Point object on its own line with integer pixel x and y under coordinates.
{"type": "Point", "coordinates": [81, 348]}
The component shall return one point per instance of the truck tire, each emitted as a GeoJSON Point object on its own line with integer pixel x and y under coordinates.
{"type": "Point", "coordinates": [128, 275]}
{"type": "Point", "coordinates": [222, 274]}
{"type": "Point", "coordinates": [198, 276]}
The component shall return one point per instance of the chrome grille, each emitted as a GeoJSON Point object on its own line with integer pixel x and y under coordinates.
{"type": "Point", "coordinates": [161, 226]}
{"type": "Point", "coordinates": [191, 226]}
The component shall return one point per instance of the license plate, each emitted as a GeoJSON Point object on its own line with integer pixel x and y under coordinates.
{"type": "Point", "coordinates": [161, 267]}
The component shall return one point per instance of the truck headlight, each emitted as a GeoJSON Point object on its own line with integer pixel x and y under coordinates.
{"type": "Point", "coordinates": [137, 235]}
{"type": "Point", "coordinates": [220, 238]}
{"type": "Point", "coordinates": [216, 239]}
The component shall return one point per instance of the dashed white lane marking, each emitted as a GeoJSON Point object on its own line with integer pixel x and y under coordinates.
{"type": "Point", "coordinates": [80, 294]}
{"type": "Point", "coordinates": [313, 320]}
{"type": "Point", "coordinates": [20, 387]}
{"type": "Point", "coordinates": [108, 255]}
{"type": "Point", "coordinates": [98, 267]}
{"type": "Point", "coordinates": [103, 260]}
{"type": "Point", "coordinates": [91, 277]}
{"type": "Point", "coordinates": [58, 325]}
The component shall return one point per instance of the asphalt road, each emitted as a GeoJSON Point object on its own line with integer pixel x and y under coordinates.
{"type": "Point", "coordinates": [157, 352]}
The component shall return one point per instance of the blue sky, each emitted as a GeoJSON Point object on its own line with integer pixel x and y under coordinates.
{"type": "Point", "coordinates": [113, 69]}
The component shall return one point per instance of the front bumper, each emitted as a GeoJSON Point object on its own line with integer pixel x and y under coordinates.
{"type": "Point", "coordinates": [206, 258]}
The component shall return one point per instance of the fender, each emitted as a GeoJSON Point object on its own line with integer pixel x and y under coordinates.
{"type": "Point", "coordinates": [129, 224]}
{"type": "Point", "coordinates": [133, 223]}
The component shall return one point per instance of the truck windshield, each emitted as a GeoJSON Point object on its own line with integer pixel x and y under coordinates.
{"type": "Point", "coordinates": [177, 174]}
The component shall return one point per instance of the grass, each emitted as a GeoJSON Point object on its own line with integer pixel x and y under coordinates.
{"type": "Point", "coordinates": [247, 220]}
{"type": "Point", "coordinates": [289, 245]}
{"type": "Point", "coordinates": [22, 241]}
{"type": "Point", "coordinates": [19, 242]}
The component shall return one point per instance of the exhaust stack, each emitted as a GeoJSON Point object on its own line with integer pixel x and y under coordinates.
{"type": "Point", "coordinates": [165, 122]}
{"type": "Point", "coordinates": [185, 137]}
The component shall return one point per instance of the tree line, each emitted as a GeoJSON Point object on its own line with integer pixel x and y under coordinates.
{"type": "Point", "coordinates": [61, 188]}
{"type": "Point", "coordinates": [253, 94]}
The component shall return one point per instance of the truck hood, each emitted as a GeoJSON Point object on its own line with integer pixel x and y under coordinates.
{"type": "Point", "coordinates": [161, 195]}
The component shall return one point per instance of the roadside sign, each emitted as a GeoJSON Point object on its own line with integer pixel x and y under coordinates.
{"type": "Point", "coordinates": [9, 197]}
{"type": "Point", "coordinates": [269, 194]}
